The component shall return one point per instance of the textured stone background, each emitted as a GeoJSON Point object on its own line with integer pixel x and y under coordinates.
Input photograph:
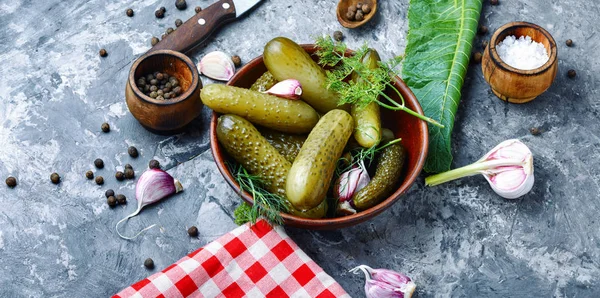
{"type": "Point", "coordinates": [457, 240]}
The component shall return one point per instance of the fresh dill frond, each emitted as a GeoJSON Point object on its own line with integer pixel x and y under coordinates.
{"type": "Point", "coordinates": [266, 204]}
{"type": "Point", "coordinates": [370, 83]}
{"type": "Point", "coordinates": [360, 156]}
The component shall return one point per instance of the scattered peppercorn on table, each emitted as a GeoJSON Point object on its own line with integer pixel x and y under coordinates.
{"type": "Point", "coordinates": [72, 153]}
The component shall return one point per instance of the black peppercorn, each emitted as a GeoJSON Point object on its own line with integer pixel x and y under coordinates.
{"type": "Point", "coordinates": [477, 57]}
{"type": "Point", "coordinates": [198, 9]}
{"type": "Point", "coordinates": [103, 53]}
{"type": "Point", "coordinates": [350, 15]}
{"type": "Point", "coordinates": [180, 4]}
{"type": "Point", "coordinates": [569, 42]}
{"type": "Point", "coordinates": [482, 29]}
{"type": "Point", "coordinates": [128, 166]}
{"type": "Point", "coordinates": [178, 22]}
{"type": "Point", "coordinates": [11, 181]}
{"type": "Point", "coordinates": [159, 14]}
{"type": "Point", "coordinates": [99, 180]}
{"type": "Point", "coordinates": [149, 263]}
{"type": "Point", "coordinates": [129, 12]}
{"type": "Point", "coordinates": [99, 163]}
{"type": "Point", "coordinates": [55, 178]}
{"type": "Point", "coordinates": [154, 40]}
{"type": "Point", "coordinates": [366, 8]}
{"type": "Point", "coordinates": [163, 9]}
{"type": "Point", "coordinates": [359, 16]}
{"type": "Point", "coordinates": [494, 2]}
{"type": "Point", "coordinates": [89, 175]}
{"type": "Point", "coordinates": [129, 173]}
{"type": "Point", "coordinates": [109, 192]}
{"type": "Point", "coordinates": [133, 152]}
{"type": "Point", "coordinates": [535, 131]}
{"type": "Point", "coordinates": [121, 199]}
{"type": "Point", "coordinates": [237, 61]}
{"type": "Point", "coordinates": [338, 35]}
{"type": "Point", "coordinates": [571, 73]}
{"type": "Point", "coordinates": [105, 127]}
{"type": "Point", "coordinates": [111, 201]}
{"type": "Point", "coordinates": [120, 175]}
{"type": "Point", "coordinates": [169, 31]}
{"type": "Point", "coordinates": [193, 231]}
{"type": "Point", "coordinates": [154, 164]}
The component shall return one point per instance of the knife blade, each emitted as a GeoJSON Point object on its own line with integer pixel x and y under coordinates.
{"type": "Point", "coordinates": [198, 28]}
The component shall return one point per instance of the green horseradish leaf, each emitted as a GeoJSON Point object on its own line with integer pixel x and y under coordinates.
{"type": "Point", "coordinates": [440, 33]}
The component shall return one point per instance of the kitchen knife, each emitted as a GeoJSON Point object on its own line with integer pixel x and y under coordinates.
{"type": "Point", "coordinates": [198, 28]}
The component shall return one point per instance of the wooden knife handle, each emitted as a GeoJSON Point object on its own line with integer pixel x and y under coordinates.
{"type": "Point", "coordinates": [198, 28]}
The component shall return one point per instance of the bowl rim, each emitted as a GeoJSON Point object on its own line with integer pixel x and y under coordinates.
{"type": "Point", "coordinates": [336, 222]}
{"type": "Point", "coordinates": [182, 97]}
{"type": "Point", "coordinates": [510, 26]}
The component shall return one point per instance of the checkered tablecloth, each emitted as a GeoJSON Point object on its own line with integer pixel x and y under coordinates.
{"type": "Point", "coordinates": [250, 261]}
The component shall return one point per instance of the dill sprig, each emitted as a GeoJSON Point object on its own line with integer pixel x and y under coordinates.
{"type": "Point", "coordinates": [372, 84]}
{"type": "Point", "coordinates": [266, 204]}
{"type": "Point", "coordinates": [364, 156]}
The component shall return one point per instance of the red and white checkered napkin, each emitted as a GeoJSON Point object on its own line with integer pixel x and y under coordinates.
{"type": "Point", "coordinates": [250, 261]}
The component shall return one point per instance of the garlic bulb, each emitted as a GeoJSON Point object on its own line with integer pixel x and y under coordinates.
{"type": "Point", "coordinates": [217, 66]}
{"type": "Point", "coordinates": [508, 168]}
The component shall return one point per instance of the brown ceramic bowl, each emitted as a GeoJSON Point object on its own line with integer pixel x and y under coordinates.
{"type": "Point", "coordinates": [513, 84]}
{"type": "Point", "coordinates": [342, 9]}
{"type": "Point", "coordinates": [165, 116]}
{"type": "Point", "coordinates": [412, 131]}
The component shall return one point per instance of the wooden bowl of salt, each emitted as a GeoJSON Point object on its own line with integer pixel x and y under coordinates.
{"type": "Point", "coordinates": [520, 62]}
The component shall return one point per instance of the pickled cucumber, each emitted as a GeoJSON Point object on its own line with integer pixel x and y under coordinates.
{"type": "Point", "coordinates": [367, 119]}
{"type": "Point", "coordinates": [287, 145]}
{"type": "Point", "coordinates": [294, 116]}
{"type": "Point", "coordinates": [287, 60]}
{"type": "Point", "coordinates": [249, 148]}
{"type": "Point", "coordinates": [318, 212]}
{"type": "Point", "coordinates": [387, 174]}
{"type": "Point", "coordinates": [310, 175]}
{"type": "Point", "coordinates": [264, 82]}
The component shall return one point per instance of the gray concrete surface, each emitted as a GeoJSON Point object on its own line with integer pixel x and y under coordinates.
{"type": "Point", "coordinates": [455, 240]}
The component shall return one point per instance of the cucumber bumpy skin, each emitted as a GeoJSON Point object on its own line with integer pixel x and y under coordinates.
{"type": "Point", "coordinates": [309, 178]}
{"type": "Point", "coordinates": [387, 174]}
{"type": "Point", "coordinates": [249, 148]}
{"type": "Point", "coordinates": [287, 145]}
{"type": "Point", "coordinates": [367, 120]}
{"type": "Point", "coordinates": [285, 59]}
{"type": "Point", "coordinates": [264, 82]}
{"type": "Point", "coordinates": [293, 116]}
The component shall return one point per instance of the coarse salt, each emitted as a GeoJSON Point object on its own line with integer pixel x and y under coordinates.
{"type": "Point", "coordinates": [522, 53]}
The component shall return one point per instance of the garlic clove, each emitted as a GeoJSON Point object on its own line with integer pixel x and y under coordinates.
{"type": "Point", "coordinates": [345, 208]}
{"type": "Point", "coordinates": [351, 182]}
{"type": "Point", "coordinates": [290, 89]}
{"type": "Point", "coordinates": [217, 66]}
{"type": "Point", "coordinates": [385, 283]}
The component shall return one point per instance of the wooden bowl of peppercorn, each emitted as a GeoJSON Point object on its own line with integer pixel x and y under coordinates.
{"type": "Point", "coordinates": [355, 13]}
{"type": "Point", "coordinates": [513, 84]}
{"type": "Point", "coordinates": [164, 114]}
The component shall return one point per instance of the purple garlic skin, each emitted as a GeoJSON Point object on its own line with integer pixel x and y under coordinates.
{"type": "Point", "coordinates": [351, 182]}
{"type": "Point", "coordinates": [154, 185]}
{"type": "Point", "coordinates": [383, 283]}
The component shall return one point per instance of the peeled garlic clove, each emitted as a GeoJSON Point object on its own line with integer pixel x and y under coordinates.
{"type": "Point", "coordinates": [290, 89]}
{"type": "Point", "coordinates": [217, 66]}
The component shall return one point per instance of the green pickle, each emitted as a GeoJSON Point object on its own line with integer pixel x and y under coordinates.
{"type": "Point", "coordinates": [285, 59]}
{"type": "Point", "coordinates": [248, 147]}
{"type": "Point", "coordinates": [293, 116]}
{"type": "Point", "coordinates": [287, 145]}
{"type": "Point", "coordinates": [367, 120]}
{"type": "Point", "coordinates": [264, 82]}
{"type": "Point", "coordinates": [311, 173]}
{"type": "Point", "coordinates": [387, 174]}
